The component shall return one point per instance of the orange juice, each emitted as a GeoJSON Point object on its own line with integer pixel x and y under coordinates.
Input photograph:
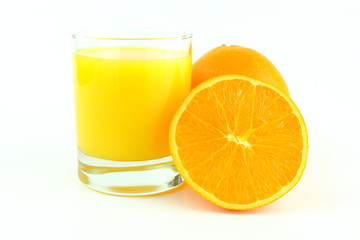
{"type": "Point", "coordinates": [125, 98]}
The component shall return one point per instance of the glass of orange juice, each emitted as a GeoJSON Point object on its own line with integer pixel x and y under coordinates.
{"type": "Point", "coordinates": [128, 84]}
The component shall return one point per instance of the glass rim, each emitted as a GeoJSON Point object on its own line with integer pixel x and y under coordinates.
{"type": "Point", "coordinates": [135, 33]}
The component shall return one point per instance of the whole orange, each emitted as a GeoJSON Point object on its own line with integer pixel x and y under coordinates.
{"type": "Point", "coordinates": [239, 60]}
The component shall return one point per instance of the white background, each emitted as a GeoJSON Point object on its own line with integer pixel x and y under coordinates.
{"type": "Point", "coordinates": [315, 45]}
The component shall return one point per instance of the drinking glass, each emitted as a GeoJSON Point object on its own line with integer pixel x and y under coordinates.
{"type": "Point", "coordinates": [128, 84]}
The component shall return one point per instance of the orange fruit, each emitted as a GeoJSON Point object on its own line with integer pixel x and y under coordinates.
{"type": "Point", "coordinates": [239, 142]}
{"type": "Point", "coordinates": [234, 59]}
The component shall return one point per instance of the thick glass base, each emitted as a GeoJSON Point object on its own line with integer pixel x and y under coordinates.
{"type": "Point", "coordinates": [135, 178]}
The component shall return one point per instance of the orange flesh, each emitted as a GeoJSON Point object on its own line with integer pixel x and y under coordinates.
{"type": "Point", "coordinates": [239, 142]}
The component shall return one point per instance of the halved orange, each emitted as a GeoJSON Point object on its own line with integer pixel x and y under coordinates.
{"type": "Point", "coordinates": [239, 142]}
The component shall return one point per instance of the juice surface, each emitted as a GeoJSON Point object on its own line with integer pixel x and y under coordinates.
{"type": "Point", "coordinates": [125, 99]}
